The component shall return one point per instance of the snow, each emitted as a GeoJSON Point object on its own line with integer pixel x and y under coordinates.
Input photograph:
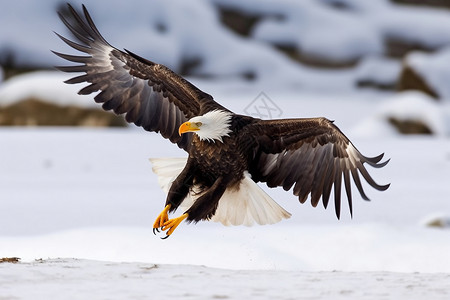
{"type": "Point", "coordinates": [303, 22]}
{"type": "Point", "coordinates": [77, 279]}
{"type": "Point", "coordinates": [358, 30]}
{"type": "Point", "coordinates": [380, 70]}
{"type": "Point", "coordinates": [47, 86]}
{"type": "Point", "coordinates": [411, 105]}
{"type": "Point", "coordinates": [434, 69]}
{"type": "Point", "coordinates": [371, 112]}
{"type": "Point", "coordinates": [78, 204]}
{"type": "Point", "coordinates": [89, 196]}
{"type": "Point", "coordinates": [164, 32]}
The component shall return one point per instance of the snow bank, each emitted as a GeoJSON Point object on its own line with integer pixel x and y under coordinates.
{"type": "Point", "coordinates": [434, 69]}
{"type": "Point", "coordinates": [352, 248]}
{"type": "Point", "coordinates": [47, 86]}
{"type": "Point", "coordinates": [377, 70]}
{"type": "Point", "coordinates": [370, 117]}
{"type": "Point", "coordinates": [407, 106]}
{"type": "Point", "coordinates": [344, 29]}
{"type": "Point", "coordinates": [313, 28]}
{"type": "Point", "coordinates": [164, 32]}
{"type": "Point", "coordinates": [439, 220]}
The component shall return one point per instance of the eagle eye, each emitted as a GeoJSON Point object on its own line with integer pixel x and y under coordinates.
{"type": "Point", "coordinates": [198, 124]}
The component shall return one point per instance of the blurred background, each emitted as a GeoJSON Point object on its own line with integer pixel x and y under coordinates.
{"type": "Point", "coordinates": [372, 49]}
{"type": "Point", "coordinates": [379, 68]}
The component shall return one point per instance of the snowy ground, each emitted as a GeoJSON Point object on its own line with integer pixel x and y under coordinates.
{"type": "Point", "coordinates": [84, 279]}
{"type": "Point", "coordinates": [84, 201]}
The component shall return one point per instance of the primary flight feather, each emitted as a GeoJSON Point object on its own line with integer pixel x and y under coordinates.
{"type": "Point", "coordinates": [227, 153]}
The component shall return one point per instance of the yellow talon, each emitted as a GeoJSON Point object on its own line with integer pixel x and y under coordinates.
{"type": "Point", "coordinates": [162, 218]}
{"type": "Point", "coordinates": [172, 224]}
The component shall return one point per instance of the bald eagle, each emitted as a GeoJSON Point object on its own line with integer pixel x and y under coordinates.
{"type": "Point", "coordinates": [228, 153]}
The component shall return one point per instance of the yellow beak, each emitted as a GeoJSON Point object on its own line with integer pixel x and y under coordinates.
{"type": "Point", "coordinates": [188, 127]}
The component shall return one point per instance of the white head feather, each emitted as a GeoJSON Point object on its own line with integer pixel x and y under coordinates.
{"type": "Point", "coordinates": [215, 125]}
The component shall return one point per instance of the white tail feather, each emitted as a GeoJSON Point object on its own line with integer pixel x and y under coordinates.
{"type": "Point", "coordinates": [167, 170]}
{"type": "Point", "coordinates": [246, 205]}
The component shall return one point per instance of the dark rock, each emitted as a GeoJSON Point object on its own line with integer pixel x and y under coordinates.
{"type": "Point", "coordinates": [314, 60]}
{"type": "Point", "coordinates": [188, 66]}
{"type": "Point", "coordinates": [339, 4]}
{"type": "Point", "coordinates": [438, 222]}
{"type": "Point", "coordinates": [370, 83]}
{"type": "Point", "coordinates": [398, 47]}
{"type": "Point", "coordinates": [238, 21]}
{"type": "Point", "coordinates": [409, 126]}
{"type": "Point", "coordinates": [36, 112]}
{"type": "Point", "coordinates": [411, 80]}
{"type": "Point", "coordinates": [435, 3]}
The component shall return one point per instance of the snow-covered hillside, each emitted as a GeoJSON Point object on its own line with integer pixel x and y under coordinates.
{"type": "Point", "coordinates": [171, 38]}
{"type": "Point", "coordinates": [163, 31]}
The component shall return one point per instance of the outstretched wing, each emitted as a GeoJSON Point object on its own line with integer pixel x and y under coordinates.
{"type": "Point", "coordinates": [312, 156]}
{"type": "Point", "coordinates": [148, 94]}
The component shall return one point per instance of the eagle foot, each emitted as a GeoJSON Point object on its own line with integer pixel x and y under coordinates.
{"type": "Point", "coordinates": [161, 219]}
{"type": "Point", "coordinates": [172, 224]}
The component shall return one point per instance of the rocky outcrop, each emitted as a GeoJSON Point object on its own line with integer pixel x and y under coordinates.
{"type": "Point", "coordinates": [411, 80]}
{"type": "Point", "coordinates": [36, 112]}
{"type": "Point", "coordinates": [432, 3]}
{"type": "Point", "coordinates": [409, 126]}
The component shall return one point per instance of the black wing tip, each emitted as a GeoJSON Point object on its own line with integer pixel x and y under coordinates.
{"type": "Point", "coordinates": [383, 187]}
{"type": "Point", "coordinates": [74, 12]}
{"type": "Point", "coordinates": [58, 35]}
{"type": "Point", "coordinates": [380, 165]}
{"type": "Point", "coordinates": [72, 9]}
{"type": "Point", "coordinates": [377, 158]}
{"type": "Point", "coordinates": [365, 198]}
{"type": "Point", "coordinates": [375, 161]}
{"type": "Point", "coordinates": [338, 216]}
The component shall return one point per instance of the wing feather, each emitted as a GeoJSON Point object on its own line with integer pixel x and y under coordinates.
{"type": "Point", "coordinates": [337, 188]}
{"type": "Point", "coordinates": [311, 155]}
{"type": "Point", "coordinates": [319, 177]}
{"type": "Point", "coordinates": [348, 189]}
{"type": "Point", "coordinates": [148, 94]}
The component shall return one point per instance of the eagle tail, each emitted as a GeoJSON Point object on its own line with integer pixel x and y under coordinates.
{"type": "Point", "coordinates": [167, 170]}
{"type": "Point", "coordinates": [246, 205]}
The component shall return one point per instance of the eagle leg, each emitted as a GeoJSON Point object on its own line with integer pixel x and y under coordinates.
{"type": "Point", "coordinates": [161, 219]}
{"type": "Point", "coordinates": [172, 224]}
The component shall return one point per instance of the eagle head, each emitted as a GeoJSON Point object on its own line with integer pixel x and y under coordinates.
{"type": "Point", "coordinates": [212, 126]}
